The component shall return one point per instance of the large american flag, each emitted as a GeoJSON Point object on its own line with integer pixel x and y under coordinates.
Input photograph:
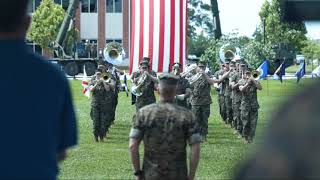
{"type": "Point", "coordinates": [158, 31]}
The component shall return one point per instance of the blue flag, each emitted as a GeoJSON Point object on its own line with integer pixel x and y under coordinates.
{"type": "Point", "coordinates": [301, 72]}
{"type": "Point", "coordinates": [263, 69]}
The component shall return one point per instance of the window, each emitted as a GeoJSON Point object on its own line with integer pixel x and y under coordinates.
{"type": "Point", "coordinates": [114, 40]}
{"type": "Point", "coordinates": [91, 48]}
{"type": "Point", "coordinates": [114, 6]}
{"type": "Point", "coordinates": [89, 6]}
{"type": "Point", "coordinates": [118, 6]}
{"type": "Point", "coordinates": [109, 6]}
{"type": "Point", "coordinates": [63, 3]}
{"type": "Point", "coordinates": [33, 4]}
{"type": "Point", "coordinates": [33, 47]}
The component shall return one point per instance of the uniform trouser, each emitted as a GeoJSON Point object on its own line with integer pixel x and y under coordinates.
{"type": "Point", "coordinates": [102, 119]}
{"type": "Point", "coordinates": [114, 107]}
{"type": "Point", "coordinates": [228, 106]}
{"type": "Point", "coordinates": [222, 106]}
{"type": "Point", "coordinates": [237, 116]}
{"type": "Point", "coordinates": [249, 117]}
{"type": "Point", "coordinates": [202, 113]}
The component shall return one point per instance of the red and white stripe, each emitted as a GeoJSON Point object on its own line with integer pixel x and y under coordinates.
{"type": "Point", "coordinates": [85, 83]}
{"type": "Point", "coordinates": [158, 31]}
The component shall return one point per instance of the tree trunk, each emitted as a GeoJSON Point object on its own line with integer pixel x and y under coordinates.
{"type": "Point", "coordinates": [216, 19]}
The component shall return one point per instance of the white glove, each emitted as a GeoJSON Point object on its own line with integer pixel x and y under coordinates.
{"type": "Point", "coordinates": [180, 97]}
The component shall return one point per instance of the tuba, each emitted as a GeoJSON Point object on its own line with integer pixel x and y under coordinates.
{"type": "Point", "coordinates": [113, 53]}
{"type": "Point", "coordinates": [229, 51]}
{"type": "Point", "coordinates": [138, 89]}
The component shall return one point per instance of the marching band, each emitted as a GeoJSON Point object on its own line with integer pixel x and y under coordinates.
{"type": "Point", "coordinates": [236, 87]}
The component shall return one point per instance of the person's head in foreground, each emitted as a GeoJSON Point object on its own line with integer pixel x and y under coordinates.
{"type": "Point", "coordinates": [14, 20]}
{"type": "Point", "coordinates": [291, 146]}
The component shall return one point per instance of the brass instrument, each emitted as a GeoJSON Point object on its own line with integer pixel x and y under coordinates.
{"type": "Point", "coordinates": [195, 78]}
{"type": "Point", "coordinates": [137, 89]}
{"type": "Point", "coordinates": [229, 51]}
{"type": "Point", "coordinates": [255, 74]}
{"type": "Point", "coordinates": [114, 53]}
{"type": "Point", "coordinates": [190, 70]}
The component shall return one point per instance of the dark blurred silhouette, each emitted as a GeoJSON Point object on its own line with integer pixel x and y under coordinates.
{"type": "Point", "coordinates": [37, 117]}
{"type": "Point", "coordinates": [291, 148]}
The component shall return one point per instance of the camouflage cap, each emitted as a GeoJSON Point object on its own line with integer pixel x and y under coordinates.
{"type": "Point", "coordinates": [201, 63]}
{"type": "Point", "coordinates": [168, 78]}
{"type": "Point", "coordinates": [146, 59]}
{"type": "Point", "coordinates": [144, 63]}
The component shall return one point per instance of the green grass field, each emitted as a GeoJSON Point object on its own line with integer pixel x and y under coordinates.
{"type": "Point", "coordinates": [219, 156]}
{"type": "Point", "coordinates": [295, 68]}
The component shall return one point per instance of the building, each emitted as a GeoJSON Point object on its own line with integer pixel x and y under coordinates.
{"type": "Point", "coordinates": [99, 22]}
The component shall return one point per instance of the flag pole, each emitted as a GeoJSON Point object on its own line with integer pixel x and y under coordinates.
{"type": "Point", "coordinates": [267, 86]}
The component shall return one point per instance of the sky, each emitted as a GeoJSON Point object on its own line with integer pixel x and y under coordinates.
{"type": "Point", "coordinates": [243, 16]}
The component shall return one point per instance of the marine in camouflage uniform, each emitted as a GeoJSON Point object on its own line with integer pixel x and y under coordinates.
{"type": "Point", "coordinates": [115, 76]}
{"type": "Point", "coordinates": [183, 89]}
{"type": "Point", "coordinates": [200, 101]}
{"type": "Point", "coordinates": [222, 112]}
{"type": "Point", "coordinates": [148, 88]}
{"type": "Point", "coordinates": [165, 129]}
{"type": "Point", "coordinates": [236, 99]}
{"type": "Point", "coordinates": [249, 105]}
{"type": "Point", "coordinates": [101, 105]}
{"type": "Point", "coordinates": [226, 91]}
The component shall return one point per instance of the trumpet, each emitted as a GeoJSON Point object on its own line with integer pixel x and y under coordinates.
{"type": "Point", "coordinates": [255, 74]}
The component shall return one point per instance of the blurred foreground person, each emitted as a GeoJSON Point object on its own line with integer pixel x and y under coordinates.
{"type": "Point", "coordinates": [38, 122]}
{"type": "Point", "coordinates": [165, 129]}
{"type": "Point", "coordinates": [291, 148]}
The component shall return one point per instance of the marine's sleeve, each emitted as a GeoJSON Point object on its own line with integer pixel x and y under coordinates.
{"type": "Point", "coordinates": [137, 129]}
{"type": "Point", "coordinates": [193, 131]}
{"type": "Point", "coordinates": [242, 82]}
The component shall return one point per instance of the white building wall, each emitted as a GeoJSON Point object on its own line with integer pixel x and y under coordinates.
{"type": "Point", "coordinates": [89, 26]}
{"type": "Point", "coordinates": [114, 26]}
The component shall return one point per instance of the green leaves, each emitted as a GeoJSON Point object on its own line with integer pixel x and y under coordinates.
{"type": "Point", "coordinates": [277, 32]}
{"type": "Point", "coordinates": [199, 16]}
{"type": "Point", "coordinates": [46, 21]}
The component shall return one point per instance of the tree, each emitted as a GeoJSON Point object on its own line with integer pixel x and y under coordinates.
{"type": "Point", "coordinates": [311, 50]}
{"type": "Point", "coordinates": [198, 44]}
{"type": "Point", "coordinates": [46, 21]}
{"type": "Point", "coordinates": [278, 32]}
{"type": "Point", "coordinates": [199, 14]}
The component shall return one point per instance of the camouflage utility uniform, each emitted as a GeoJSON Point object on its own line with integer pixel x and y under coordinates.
{"type": "Point", "coordinates": [183, 85]}
{"type": "Point", "coordinates": [165, 129]}
{"type": "Point", "coordinates": [116, 78]}
{"type": "Point", "coordinates": [147, 96]}
{"type": "Point", "coordinates": [236, 102]}
{"type": "Point", "coordinates": [101, 110]}
{"type": "Point", "coordinates": [227, 106]}
{"type": "Point", "coordinates": [217, 75]}
{"type": "Point", "coordinates": [200, 101]}
{"type": "Point", "coordinates": [249, 110]}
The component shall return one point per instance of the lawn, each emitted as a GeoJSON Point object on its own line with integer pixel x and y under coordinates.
{"type": "Point", "coordinates": [219, 156]}
{"type": "Point", "coordinates": [295, 68]}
